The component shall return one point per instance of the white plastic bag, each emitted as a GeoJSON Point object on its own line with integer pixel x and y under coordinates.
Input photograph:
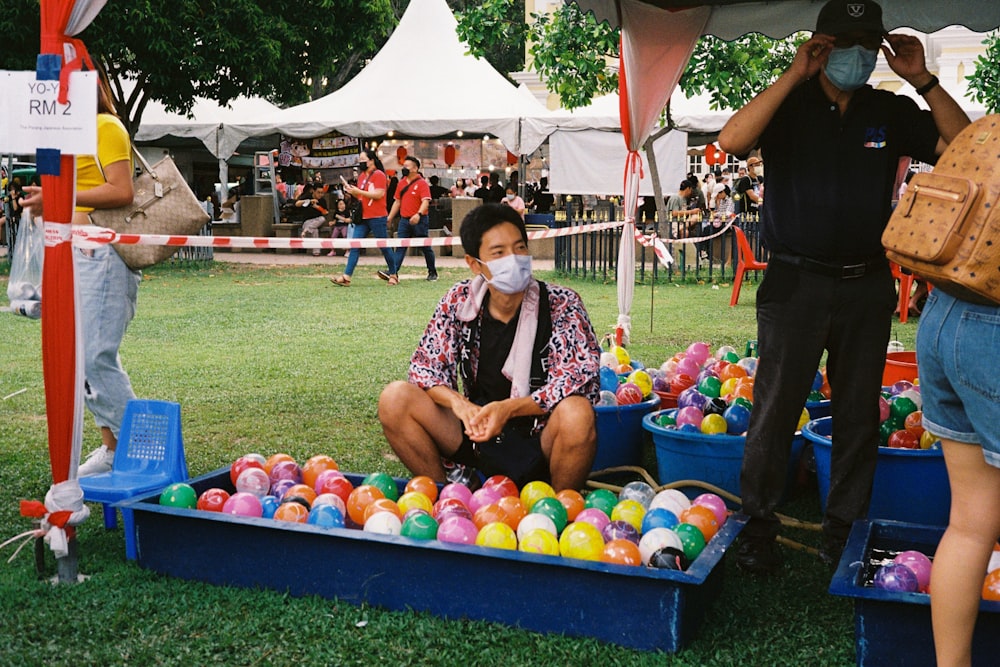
{"type": "Point", "coordinates": [25, 286]}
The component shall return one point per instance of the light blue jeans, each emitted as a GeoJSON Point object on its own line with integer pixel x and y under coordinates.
{"type": "Point", "coordinates": [359, 231]}
{"type": "Point", "coordinates": [108, 292]}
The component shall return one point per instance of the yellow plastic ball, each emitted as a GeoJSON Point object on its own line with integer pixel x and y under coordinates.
{"type": "Point", "coordinates": [497, 535]}
{"type": "Point", "coordinates": [621, 353]}
{"type": "Point", "coordinates": [804, 419]}
{"type": "Point", "coordinates": [630, 511]}
{"type": "Point", "coordinates": [540, 541]}
{"type": "Point", "coordinates": [642, 380]}
{"type": "Point", "coordinates": [535, 491]}
{"type": "Point", "coordinates": [581, 540]}
{"type": "Point", "coordinates": [414, 500]}
{"type": "Point", "coordinates": [713, 424]}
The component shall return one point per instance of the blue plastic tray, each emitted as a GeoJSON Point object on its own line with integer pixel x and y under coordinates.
{"type": "Point", "coordinates": [654, 609]}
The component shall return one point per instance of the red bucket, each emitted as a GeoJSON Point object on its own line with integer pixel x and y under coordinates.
{"type": "Point", "coordinates": [899, 366]}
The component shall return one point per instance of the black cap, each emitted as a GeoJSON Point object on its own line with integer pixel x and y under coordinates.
{"type": "Point", "coordinates": [844, 16]}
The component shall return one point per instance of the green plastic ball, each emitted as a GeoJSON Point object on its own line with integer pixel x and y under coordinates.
{"type": "Point", "coordinates": [385, 483]}
{"type": "Point", "coordinates": [179, 495]}
{"type": "Point", "coordinates": [663, 419]}
{"type": "Point", "coordinates": [746, 403]}
{"type": "Point", "coordinates": [710, 386]}
{"type": "Point", "coordinates": [554, 509]}
{"type": "Point", "coordinates": [602, 499]}
{"type": "Point", "coordinates": [691, 540]}
{"type": "Point", "coordinates": [420, 526]}
{"type": "Point", "coordinates": [900, 406]}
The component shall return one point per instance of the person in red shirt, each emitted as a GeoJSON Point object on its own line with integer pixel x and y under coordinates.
{"type": "Point", "coordinates": [370, 193]}
{"type": "Point", "coordinates": [413, 199]}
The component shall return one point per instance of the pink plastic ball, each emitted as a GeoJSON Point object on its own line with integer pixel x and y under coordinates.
{"type": "Point", "coordinates": [484, 497]}
{"type": "Point", "coordinates": [333, 500]}
{"type": "Point", "coordinates": [324, 477]}
{"type": "Point", "coordinates": [457, 530]}
{"type": "Point", "coordinates": [699, 352]}
{"type": "Point", "coordinates": [688, 366]}
{"type": "Point", "coordinates": [689, 415]}
{"type": "Point", "coordinates": [455, 490]}
{"type": "Point", "coordinates": [714, 503]}
{"type": "Point", "coordinates": [883, 409]}
{"type": "Point", "coordinates": [594, 517]}
{"type": "Point", "coordinates": [919, 564]}
{"type": "Point", "coordinates": [242, 503]}
{"type": "Point", "coordinates": [286, 470]}
{"type": "Point", "coordinates": [255, 481]}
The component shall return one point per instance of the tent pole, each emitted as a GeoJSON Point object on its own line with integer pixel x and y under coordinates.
{"type": "Point", "coordinates": [661, 208]}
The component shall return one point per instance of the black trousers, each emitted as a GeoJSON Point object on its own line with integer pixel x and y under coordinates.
{"type": "Point", "coordinates": [799, 315]}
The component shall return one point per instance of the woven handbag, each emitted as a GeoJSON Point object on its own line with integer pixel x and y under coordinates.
{"type": "Point", "coordinates": [163, 204]}
{"type": "Point", "coordinates": [946, 228]}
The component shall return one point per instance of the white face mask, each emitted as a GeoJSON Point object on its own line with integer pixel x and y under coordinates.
{"type": "Point", "coordinates": [511, 273]}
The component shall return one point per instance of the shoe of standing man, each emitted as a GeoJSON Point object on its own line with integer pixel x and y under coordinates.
{"type": "Point", "coordinates": [98, 461]}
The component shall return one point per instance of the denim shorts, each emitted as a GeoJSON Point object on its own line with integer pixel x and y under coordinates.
{"type": "Point", "coordinates": [958, 346]}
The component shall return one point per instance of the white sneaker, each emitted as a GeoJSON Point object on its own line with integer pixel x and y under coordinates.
{"type": "Point", "coordinates": [98, 461]}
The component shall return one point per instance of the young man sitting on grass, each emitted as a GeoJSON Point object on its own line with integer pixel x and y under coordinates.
{"type": "Point", "coordinates": [528, 361]}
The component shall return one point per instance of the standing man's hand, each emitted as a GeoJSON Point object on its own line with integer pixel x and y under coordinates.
{"type": "Point", "coordinates": [811, 57]}
{"type": "Point", "coordinates": [906, 58]}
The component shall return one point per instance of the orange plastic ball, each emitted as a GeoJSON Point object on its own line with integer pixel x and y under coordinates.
{"type": "Point", "coordinates": [991, 586]}
{"type": "Point", "coordinates": [513, 510]}
{"type": "Point", "coordinates": [314, 466]}
{"type": "Point", "coordinates": [488, 514]}
{"type": "Point", "coordinates": [701, 518]}
{"type": "Point", "coordinates": [572, 501]}
{"type": "Point", "coordinates": [622, 552]}
{"type": "Point", "coordinates": [382, 505]}
{"type": "Point", "coordinates": [304, 491]}
{"type": "Point", "coordinates": [425, 485]}
{"type": "Point", "coordinates": [275, 459]}
{"type": "Point", "coordinates": [359, 500]}
{"type": "Point", "coordinates": [732, 372]}
{"type": "Point", "coordinates": [291, 511]}
{"type": "Point", "coordinates": [915, 422]}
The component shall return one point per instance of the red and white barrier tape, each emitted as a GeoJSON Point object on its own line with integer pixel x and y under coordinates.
{"type": "Point", "coordinates": [90, 236]}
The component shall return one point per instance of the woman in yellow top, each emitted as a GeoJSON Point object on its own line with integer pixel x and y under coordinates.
{"type": "Point", "coordinates": [107, 288]}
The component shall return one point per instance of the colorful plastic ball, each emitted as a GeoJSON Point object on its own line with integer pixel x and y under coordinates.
{"type": "Point", "coordinates": [533, 521]}
{"type": "Point", "coordinates": [710, 386]}
{"type": "Point", "coordinates": [749, 364]}
{"type": "Point", "coordinates": [535, 491]}
{"type": "Point", "coordinates": [737, 419]}
{"type": "Point", "coordinates": [655, 540]}
{"type": "Point", "coordinates": [724, 350]}
{"type": "Point", "coordinates": [689, 415]}
{"type": "Point", "coordinates": [425, 485]}
{"type": "Point", "coordinates": [513, 510]}
{"type": "Point", "coordinates": [919, 563]}
{"type": "Point", "coordinates": [488, 514]}
{"type": "Point", "coordinates": [731, 372]}
{"type": "Point", "coordinates": [482, 497]}
{"type": "Point", "coordinates": [903, 440]}
{"type": "Point", "coordinates": [607, 398]}
{"type": "Point", "coordinates": [715, 406]}
{"type": "Point", "coordinates": [621, 552]}
{"type": "Point", "coordinates": [538, 541]}
{"type": "Point", "coordinates": [303, 491]}
{"type": "Point", "coordinates": [330, 482]}
{"type": "Point", "coordinates": [659, 517]}
{"type": "Point", "coordinates": [743, 402]}
{"type": "Point", "coordinates": [914, 423]}
{"type": "Point", "coordinates": [450, 506]}
{"type": "Point", "coordinates": [692, 539]}
{"type": "Point", "coordinates": [359, 500]}
{"type": "Point", "coordinates": [608, 360]}
{"type": "Point", "coordinates": [804, 418]}
{"type": "Point", "coordinates": [383, 523]}
{"type": "Point", "coordinates": [699, 352]}
{"type": "Point", "coordinates": [179, 495]}
{"type": "Point", "coordinates": [456, 490]}
{"type": "Point", "coordinates": [900, 406]}
{"type": "Point", "coordinates": [420, 527]}
{"type": "Point", "coordinates": [314, 466]}
{"type": "Point", "coordinates": [259, 458]}
{"type": "Point", "coordinates": [661, 384]}
{"type": "Point", "coordinates": [914, 395]}
{"type": "Point", "coordinates": [672, 499]}
{"type": "Point", "coordinates": [382, 505]}
{"type": "Point", "coordinates": [815, 396]}
{"type": "Point", "coordinates": [621, 354]}
{"type": "Point", "coordinates": [630, 511]}
{"type": "Point", "coordinates": [269, 504]}
{"type": "Point", "coordinates": [689, 428]}
{"type": "Point", "coordinates": [620, 530]}
{"type": "Point", "coordinates": [665, 419]}
{"type": "Point", "coordinates": [744, 389]}
{"type": "Point", "coordinates": [602, 499]}
{"type": "Point", "coordinates": [595, 517]}
{"type": "Point", "coordinates": [412, 499]}
{"type": "Point", "coordinates": [692, 398]}
{"type": "Point", "coordinates": [895, 578]}
{"type": "Point", "coordinates": [332, 500]}
{"type": "Point", "coordinates": [927, 440]}
{"type": "Point", "coordinates": [714, 503]}
{"type": "Point", "coordinates": [455, 529]}
{"type": "Point", "coordinates": [728, 386]}
{"type": "Point", "coordinates": [639, 491]}
{"type": "Point", "coordinates": [325, 516]}
{"type": "Point", "coordinates": [572, 501]}
{"type": "Point", "coordinates": [609, 379]}
{"type": "Point", "coordinates": [581, 541]}
{"type": "Point", "coordinates": [253, 480]}
{"type": "Point", "coordinates": [883, 409]}
{"type": "Point", "coordinates": [702, 518]}
{"type": "Point", "coordinates": [497, 535]}
{"type": "Point", "coordinates": [900, 386]}
{"type": "Point", "coordinates": [991, 586]}
{"type": "Point", "coordinates": [242, 503]}
{"type": "Point", "coordinates": [286, 470]}
{"type": "Point", "coordinates": [212, 500]}
{"type": "Point", "coordinates": [552, 508]}
{"type": "Point", "coordinates": [291, 511]}
{"type": "Point", "coordinates": [502, 484]}
{"type": "Point", "coordinates": [385, 483]}
{"type": "Point", "coordinates": [680, 382]}
{"type": "Point", "coordinates": [886, 429]}
{"type": "Point", "coordinates": [643, 381]}
{"type": "Point", "coordinates": [669, 558]}
{"type": "Point", "coordinates": [280, 488]}
{"type": "Point", "coordinates": [241, 464]}
{"type": "Point", "coordinates": [629, 394]}
{"type": "Point", "coordinates": [713, 424]}
{"type": "Point", "coordinates": [276, 458]}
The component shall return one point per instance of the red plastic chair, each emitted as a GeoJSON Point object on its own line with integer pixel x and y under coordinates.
{"type": "Point", "coordinates": [745, 262]}
{"type": "Point", "coordinates": [905, 287]}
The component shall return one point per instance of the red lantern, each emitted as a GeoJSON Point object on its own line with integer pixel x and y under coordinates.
{"type": "Point", "coordinates": [511, 158]}
{"type": "Point", "coordinates": [449, 155]}
{"type": "Point", "coordinates": [714, 155]}
{"type": "Point", "coordinates": [401, 154]}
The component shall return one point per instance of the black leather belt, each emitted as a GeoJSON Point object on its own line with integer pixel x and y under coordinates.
{"type": "Point", "coordinates": [839, 271]}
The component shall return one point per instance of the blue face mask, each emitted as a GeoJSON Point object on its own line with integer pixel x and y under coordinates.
{"type": "Point", "coordinates": [848, 69]}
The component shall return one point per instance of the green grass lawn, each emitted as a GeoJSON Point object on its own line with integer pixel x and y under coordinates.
{"type": "Point", "coordinates": [278, 359]}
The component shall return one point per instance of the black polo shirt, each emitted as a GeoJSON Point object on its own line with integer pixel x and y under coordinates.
{"type": "Point", "coordinates": [830, 178]}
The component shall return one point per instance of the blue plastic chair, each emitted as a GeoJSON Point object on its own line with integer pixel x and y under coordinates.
{"type": "Point", "coordinates": [148, 457]}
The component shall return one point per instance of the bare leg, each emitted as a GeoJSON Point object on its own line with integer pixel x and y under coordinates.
{"type": "Point", "coordinates": [419, 431]}
{"type": "Point", "coordinates": [108, 439]}
{"type": "Point", "coordinates": [961, 557]}
{"type": "Point", "coordinates": [569, 442]}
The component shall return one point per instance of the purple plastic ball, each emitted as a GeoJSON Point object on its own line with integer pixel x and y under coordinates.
{"type": "Point", "coordinates": [620, 530]}
{"type": "Point", "coordinates": [286, 470]}
{"type": "Point", "coordinates": [896, 578]}
{"type": "Point", "coordinates": [692, 398]}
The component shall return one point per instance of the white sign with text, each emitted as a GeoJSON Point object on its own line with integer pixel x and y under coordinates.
{"type": "Point", "coordinates": [32, 118]}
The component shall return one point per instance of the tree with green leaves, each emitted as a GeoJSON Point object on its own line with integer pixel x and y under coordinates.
{"type": "Point", "coordinates": [984, 83]}
{"type": "Point", "coordinates": [176, 50]}
{"type": "Point", "coordinates": [577, 57]}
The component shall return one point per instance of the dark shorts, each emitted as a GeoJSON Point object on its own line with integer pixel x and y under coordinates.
{"type": "Point", "coordinates": [515, 453]}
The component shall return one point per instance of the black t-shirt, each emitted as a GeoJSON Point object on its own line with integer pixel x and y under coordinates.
{"type": "Point", "coordinates": [495, 340]}
{"type": "Point", "coordinates": [482, 193]}
{"type": "Point", "coordinates": [830, 179]}
{"type": "Point", "coordinates": [543, 201]}
{"type": "Point", "coordinates": [742, 186]}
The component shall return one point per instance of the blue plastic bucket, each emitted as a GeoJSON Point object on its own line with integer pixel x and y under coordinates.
{"type": "Point", "coordinates": [911, 485]}
{"type": "Point", "coordinates": [716, 459]}
{"type": "Point", "coordinates": [619, 433]}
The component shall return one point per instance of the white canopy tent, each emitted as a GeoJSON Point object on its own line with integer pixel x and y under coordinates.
{"type": "Point", "coordinates": [440, 91]}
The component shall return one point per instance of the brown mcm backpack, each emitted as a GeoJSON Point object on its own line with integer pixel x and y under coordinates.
{"type": "Point", "coordinates": [946, 228]}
